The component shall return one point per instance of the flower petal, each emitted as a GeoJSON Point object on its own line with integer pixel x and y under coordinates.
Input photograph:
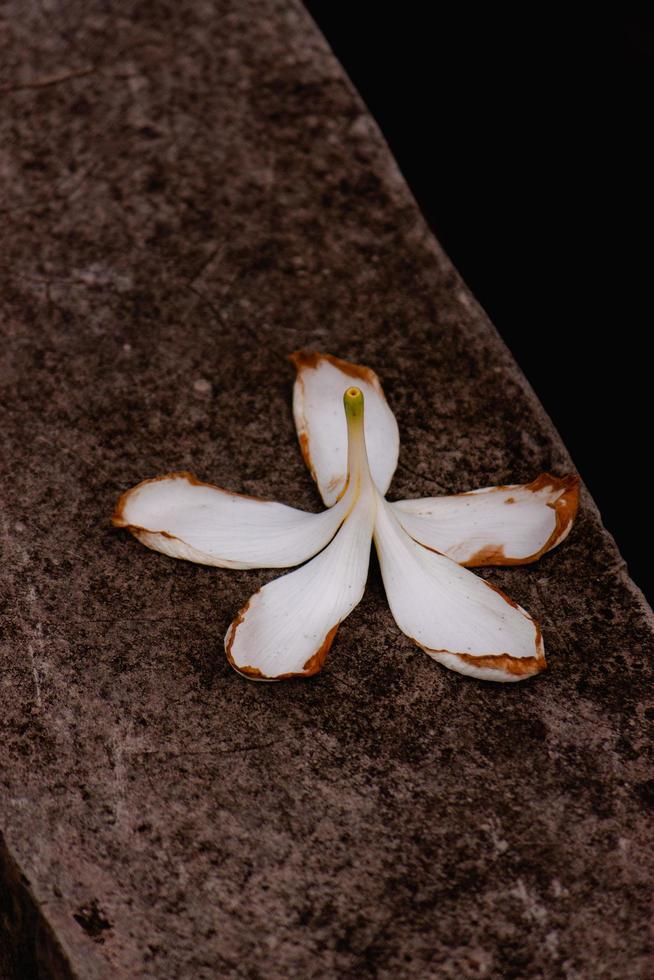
{"type": "Point", "coordinates": [287, 628]}
{"type": "Point", "coordinates": [459, 619]}
{"type": "Point", "coordinates": [510, 525]}
{"type": "Point", "coordinates": [318, 411]}
{"type": "Point", "coordinates": [185, 518]}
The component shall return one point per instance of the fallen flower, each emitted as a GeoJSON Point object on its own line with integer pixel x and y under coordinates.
{"type": "Point", "coordinates": [286, 629]}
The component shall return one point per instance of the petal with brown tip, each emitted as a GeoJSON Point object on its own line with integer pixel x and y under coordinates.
{"type": "Point", "coordinates": [287, 628]}
{"type": "Point", "coordinates": [318, 412]}
{"type": "Point", "coordinates": [185, 518]}
{"type": "Point", "coordinates": [510, 525]}
{"type": "Point", "coordinates": [459, 619]}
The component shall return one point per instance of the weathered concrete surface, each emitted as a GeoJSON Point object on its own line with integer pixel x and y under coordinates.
{"type": "Point", "coordinates": [189, 191]}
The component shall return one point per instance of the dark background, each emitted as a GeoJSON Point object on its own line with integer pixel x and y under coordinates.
{"type": "Point", "coordinates": [524, 141]}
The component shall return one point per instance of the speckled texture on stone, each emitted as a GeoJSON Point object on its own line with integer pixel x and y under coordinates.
{"type": "Point", "coordinates": [191, 190]}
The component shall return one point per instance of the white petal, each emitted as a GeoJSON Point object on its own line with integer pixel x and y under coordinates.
{"type": "Point", "coordinates": [287, 628]}
{"type": "Point", "coordinates": [509, 525]}
{"type": "Point", "coordinates": [184, 518]}
{"type": "Point", "coordinates": [320, 422]}
{"type": "Point", "coordinates": [460, 620]}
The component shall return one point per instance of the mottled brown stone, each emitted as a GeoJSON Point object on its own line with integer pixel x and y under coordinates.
{"type": "Point", "coordinates": [190, 191]}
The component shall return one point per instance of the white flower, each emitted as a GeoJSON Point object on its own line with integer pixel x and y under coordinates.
{"type": "Point", "coordinates": [287, 627]}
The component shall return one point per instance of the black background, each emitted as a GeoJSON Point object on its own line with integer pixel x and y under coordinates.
{"type": "Point", "coordinates": [525, 143]}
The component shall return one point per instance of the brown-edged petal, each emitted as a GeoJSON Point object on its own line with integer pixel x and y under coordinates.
{"type": "Point", "coordinates": [510, 525]}
{"type": "Point", "coordinates": [185, 518]}
{"type": "Point", "coordinates": [318, 411]}
{"type": "Point", "coordinates": [459, 619]}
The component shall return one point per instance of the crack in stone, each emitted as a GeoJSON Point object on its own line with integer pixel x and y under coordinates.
{"type": "Point", "coordinates": [48, 82]}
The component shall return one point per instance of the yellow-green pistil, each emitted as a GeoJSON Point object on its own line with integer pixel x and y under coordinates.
{"type": "Point", "coordinates": [353, 401]}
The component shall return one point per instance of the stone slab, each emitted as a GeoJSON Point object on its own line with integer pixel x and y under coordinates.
{"type": "Point", "coordinates": [190, 191]}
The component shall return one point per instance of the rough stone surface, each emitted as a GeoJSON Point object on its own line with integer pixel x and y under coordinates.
{"type": "Point", "coordinates": [191, 190]}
